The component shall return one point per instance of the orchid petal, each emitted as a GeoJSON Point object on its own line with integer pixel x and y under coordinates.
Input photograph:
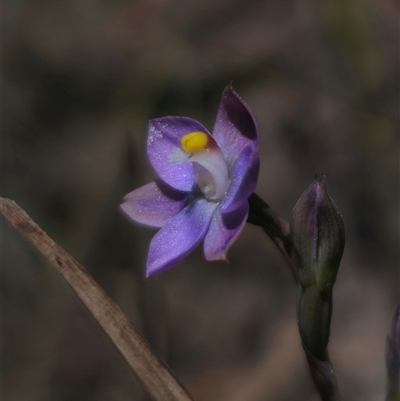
{"type": "Point", "coordinates": [224, 229]}
{"type": "Point", "coordinates": [235, 126]}
{"type": "Point", "coordinates": [243, 180]}
{"type": "Point", "coordinates": [154, 204]}
{"type": "Point", "coordinates": [180, 236]}
{"type": "Point", "coordinates": [164, 150]}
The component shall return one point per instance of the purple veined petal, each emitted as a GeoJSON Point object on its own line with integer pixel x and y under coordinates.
{"type": "Point", "coordinates": [244, 177]}
{"type": "Point", "coordinates": [164, 150]}
{"type": "Point", "coordinates": [224, 229]}
{"type": "Point", "coordinates": [154, 204]}
{"type": "Point", "coordinates": [180, 236]}
{"type": "Point", "coordinates": [235, 126]}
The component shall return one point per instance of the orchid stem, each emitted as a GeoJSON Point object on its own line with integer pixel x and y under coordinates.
{"type": "Point", "coordinates": [275, 226]}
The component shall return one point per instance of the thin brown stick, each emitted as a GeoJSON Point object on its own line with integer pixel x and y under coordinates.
{"type": "Point", "coordinates": [152, 372]}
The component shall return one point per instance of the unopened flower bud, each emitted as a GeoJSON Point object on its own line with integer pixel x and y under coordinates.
{"type": "Point", "coordinates": [318, 237]}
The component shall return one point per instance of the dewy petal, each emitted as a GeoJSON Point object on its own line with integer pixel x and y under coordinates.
{"type": "Point", "coordinates": [180, 236]}
{"type": "Point", "coordinates": [235, 126]}
{"type": "Point", "coordinates": [154, 204]}
{"type": "Point", "coordinates": [243, 180]}
{"type": "Point", "coordinates": [224, 229]}
{"type": "Point", "coordinates": [164, 148]}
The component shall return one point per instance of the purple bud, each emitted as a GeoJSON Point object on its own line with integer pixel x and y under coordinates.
{"type": "Point", "coordinates": [318, 237]}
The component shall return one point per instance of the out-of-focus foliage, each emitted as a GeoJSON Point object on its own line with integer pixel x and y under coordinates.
{"type": "Point", "coordinates": [80, 81]}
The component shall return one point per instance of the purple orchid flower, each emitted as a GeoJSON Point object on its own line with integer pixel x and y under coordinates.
{"type": "Point", "coordinates": [205, 181]}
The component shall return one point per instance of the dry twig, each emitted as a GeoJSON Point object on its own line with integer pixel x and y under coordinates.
{"type": "Point", "coordinates": [152, 372]}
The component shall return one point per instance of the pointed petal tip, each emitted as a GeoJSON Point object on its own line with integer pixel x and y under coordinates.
{"type": "Point", "coordinates": [228, 90]}
{"type": "Point", "coordinates": [317, 187]}
{"type": "Point", "coordinates": [229, 87]}
{"type": "Point", "coordinates": [150, 271]}
{"type": "Point", "coordinates": [219, 257]}
{"type": "Point", "coordinates": [123, 206]}
{"type": "Point", "coordinates": [154, 267]}
{"type": "Point", "coordinates": [125, 199]}
{"type": "Point", "coordinates": [321, 180]}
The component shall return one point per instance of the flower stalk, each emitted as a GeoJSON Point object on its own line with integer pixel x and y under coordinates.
{"type": "Point", "coordinates": [275, 226]}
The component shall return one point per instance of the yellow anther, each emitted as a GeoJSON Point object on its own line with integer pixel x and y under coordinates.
{"type": "Point", "coordinates": [194, 142]}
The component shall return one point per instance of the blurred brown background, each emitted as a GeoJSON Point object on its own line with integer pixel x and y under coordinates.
{"type": "Point", "coordinates": [82, 78]}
